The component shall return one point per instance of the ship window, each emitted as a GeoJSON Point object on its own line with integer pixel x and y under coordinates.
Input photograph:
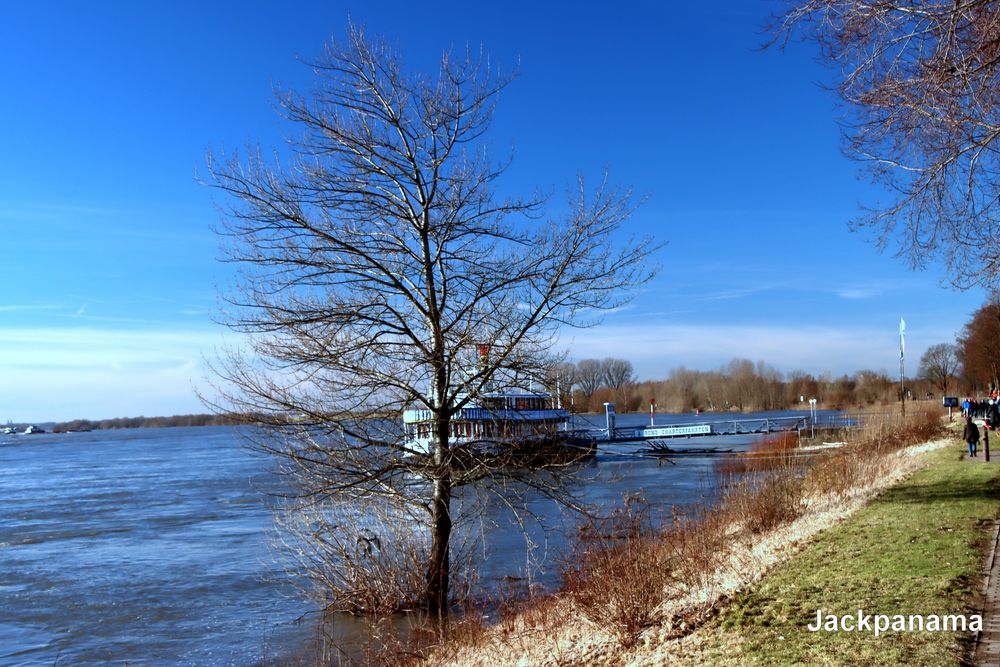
{"type": "Point", "coordinates": [492, 403]}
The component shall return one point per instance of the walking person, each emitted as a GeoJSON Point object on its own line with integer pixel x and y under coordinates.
{"type": "Point", "coordinates": [971, 435]}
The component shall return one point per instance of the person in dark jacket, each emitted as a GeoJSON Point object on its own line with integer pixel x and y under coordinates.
{"type": "Point", "coordinates": [971, 435]}
{"type": "Point", "coordinates": [993, 415]}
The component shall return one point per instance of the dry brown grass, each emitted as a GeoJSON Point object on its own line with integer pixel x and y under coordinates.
{"type": "Point", "coordinates": [768, 452]}
{"type": "Point", "coordinates": [763, 502]}
{"type": "Point", "coordinates": [693, 542]}
{"type": "Point", "coordinates": [863, 460]}
{"type": "Point", "coordinates": [618, 576]}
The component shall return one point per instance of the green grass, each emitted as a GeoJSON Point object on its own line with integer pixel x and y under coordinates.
{"type": "Point", "coordinates": [916, 549]}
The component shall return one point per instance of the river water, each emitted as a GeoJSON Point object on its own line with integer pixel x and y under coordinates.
{"type": "Point", "coordinates": [151, 545]}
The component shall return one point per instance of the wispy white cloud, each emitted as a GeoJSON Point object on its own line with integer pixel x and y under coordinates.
{"type": "Point", "coordinates": [731, 291]}
{"type": "Point", "coordinates": [75, 347]}
{"type": "Point", "coordinates": [730, 294]}
{"type": "Point", "coordinates": [874, 289]}
{"type": "Point", "coordinates": [109, 222]}
{"type": "Point", "coordinates": [857, 293]}
{"type": "Point", "coordinates": [69, 372]}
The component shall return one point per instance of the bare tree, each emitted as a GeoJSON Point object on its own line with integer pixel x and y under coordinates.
{"type": "Point", "coordinates": [939, 365]}
{"type": "Point", "coordinates": [689, 387]}
{"type": "Point", "coordinates": [801, 387]}
{"type": "Point", "coordinates": [589, 376]}
{"type": "Point", "coordinates": [741, 383]}
{"type": "Point", "coordinates": [770, 383]}
{"type": "Point", "coordinates": [920, 82]}
{"type": "Point", "coordinates": [617, 373]}
{"type": "Point", "coordinates": [871, 386]}
{"type": "Point", "coordinates": [376, 261]}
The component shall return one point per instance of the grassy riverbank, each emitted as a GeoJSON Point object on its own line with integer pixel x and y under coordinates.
{"type": "Point", "coordinates": [878, 525]}
{"type": "Point", "coordinates": [916, 549]}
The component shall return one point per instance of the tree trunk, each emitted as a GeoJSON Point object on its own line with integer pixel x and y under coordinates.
{"type": "Point", "coordinates": [438, 567]}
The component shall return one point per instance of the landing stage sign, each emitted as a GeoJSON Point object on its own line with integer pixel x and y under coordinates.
{"type": "Point", "coordinates": [674, 431]}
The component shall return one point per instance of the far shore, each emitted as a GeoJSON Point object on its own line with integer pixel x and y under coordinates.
{"type": "Point", "coordinates": [82, 425]}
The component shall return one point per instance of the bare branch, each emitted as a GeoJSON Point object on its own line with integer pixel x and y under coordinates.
{"type": "Point", "coordinates": [921, 85]}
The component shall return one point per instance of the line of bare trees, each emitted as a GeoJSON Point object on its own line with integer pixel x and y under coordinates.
{"type": "Point", "coordinates": [740, 385]}
{"type": "Point", "coordinates": [145, 422]}
{"type": "Point", "coordinates": [968, 366]}
{"type": "Point", "coordinates": [590, 375]}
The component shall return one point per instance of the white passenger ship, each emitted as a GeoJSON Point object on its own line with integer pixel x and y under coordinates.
{"type": "Point", "coordinates": [494, 419]}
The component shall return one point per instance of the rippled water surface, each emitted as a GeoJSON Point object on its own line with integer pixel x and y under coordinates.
{"type": "Point", "coordinates": [151, 545]}
{"type": "Point", "coordinates": [145, 545]}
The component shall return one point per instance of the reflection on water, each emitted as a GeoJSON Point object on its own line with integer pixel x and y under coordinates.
{"type": "Point", "coordinates": [150, 545]}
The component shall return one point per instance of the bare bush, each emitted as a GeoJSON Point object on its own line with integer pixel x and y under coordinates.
{"type": "Point", "coordinates": [697, 540]}
{"type": "Point", "coordinates": [363, 557]}
{"type": "Point", "coordinates": [617, 579]}
{"type": "Point", "coordinates": [762, 503]}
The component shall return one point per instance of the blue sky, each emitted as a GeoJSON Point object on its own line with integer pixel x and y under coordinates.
{"type": "Point", "coordinates": [110, 273]}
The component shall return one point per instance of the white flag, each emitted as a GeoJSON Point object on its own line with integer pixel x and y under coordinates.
{"type": "Point", "coordinates": [902, 332]}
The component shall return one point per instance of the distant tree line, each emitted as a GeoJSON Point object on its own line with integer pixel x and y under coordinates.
{"type": "Point", "coordinates": [741, 385]}
{"type": "Point", "coordinates": [968, 366]}
{"type": "Point", "coordinates": [144, 422]}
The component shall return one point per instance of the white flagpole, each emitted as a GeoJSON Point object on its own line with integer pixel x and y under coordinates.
{"type": "Point", "coordinates": [902, 347]}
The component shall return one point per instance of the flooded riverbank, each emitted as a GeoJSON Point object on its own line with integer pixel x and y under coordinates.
{"type": "Point", "coordinates": [151, 545]}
